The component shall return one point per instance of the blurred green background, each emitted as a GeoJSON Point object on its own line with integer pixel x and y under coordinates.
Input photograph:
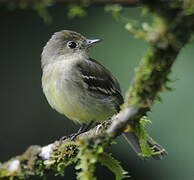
{"type": "Point", "coordinates": [26, 118]}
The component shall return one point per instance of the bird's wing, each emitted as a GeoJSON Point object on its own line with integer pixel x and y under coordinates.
{"type": "Point", "coordinates": [99, 79]}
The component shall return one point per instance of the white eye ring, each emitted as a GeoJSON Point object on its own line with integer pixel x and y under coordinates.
{"type": "Point", "coordinates": [71, 44]}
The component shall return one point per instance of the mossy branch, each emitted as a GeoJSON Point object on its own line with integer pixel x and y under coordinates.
{"type": "Point", "coordinates": [172, 28]}
{"type": "Point", "coordinates": [75, 8]}
{"type": "Point", "coordinates": [48, 2]}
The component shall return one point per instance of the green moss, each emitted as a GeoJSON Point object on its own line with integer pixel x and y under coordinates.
{"type": "Point", "coordinates": [89, 152]}
{"type": "Point", "coordinates": [76, 10]}
{"type": "Point", "coordinates": [41, 8]}
{"type": "Point", "coordinates": [62, 156]}
{"type": "Point", "coordinates": [113, 165]}
{"type": "Point", "coordinates": [26, 165]}
{"type": "Point", "coordinates": [87, 159]}
{"type": "Point", "coordinates": [143, 136]}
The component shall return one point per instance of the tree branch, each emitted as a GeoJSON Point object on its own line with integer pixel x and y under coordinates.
{"type": "Point", "coordinates": [96, 2]}
{"type": "Point", "coordinates": [171, 30]}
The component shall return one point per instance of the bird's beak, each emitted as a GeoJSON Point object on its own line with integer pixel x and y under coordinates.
{"type": "Point", "coordinates": [91, 42]}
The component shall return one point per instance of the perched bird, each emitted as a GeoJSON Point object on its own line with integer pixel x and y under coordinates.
{"type": "Point", "coordinates": [78, 86]}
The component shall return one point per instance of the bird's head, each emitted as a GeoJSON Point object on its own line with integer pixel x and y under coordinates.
{"type": "Point", "coordinates": [67, 45]}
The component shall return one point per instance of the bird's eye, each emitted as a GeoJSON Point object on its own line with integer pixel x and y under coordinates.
{"type": "Point", "coordinates": [72, 44]}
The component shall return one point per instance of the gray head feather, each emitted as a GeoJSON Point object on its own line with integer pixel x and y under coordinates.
{"type": "Point", "coordinates": [57, 46]}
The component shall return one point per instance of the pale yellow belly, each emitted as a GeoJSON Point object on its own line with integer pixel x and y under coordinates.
{"type": "Point", "coordinates": [71, 106]}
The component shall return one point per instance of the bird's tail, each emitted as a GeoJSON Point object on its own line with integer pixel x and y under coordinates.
{"type": "Point", "coordinates": [133, 141]}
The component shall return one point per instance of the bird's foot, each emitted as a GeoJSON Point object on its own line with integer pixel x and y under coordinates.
{"type": "Point", "coordinates": [66, 137]}
{"type": "Point", "coordinates": [72, 137]}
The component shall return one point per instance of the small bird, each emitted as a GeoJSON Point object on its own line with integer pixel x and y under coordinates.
{"type": "Point", "coordinates": [78, 86]}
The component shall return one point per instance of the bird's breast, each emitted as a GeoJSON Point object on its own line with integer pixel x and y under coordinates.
{"type": "Point", "coordinates": [66, 93]}
{"type": "Point", "coordinates": [56, 82]}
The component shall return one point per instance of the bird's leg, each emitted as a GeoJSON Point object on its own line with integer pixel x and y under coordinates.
{"type": "Point", "coordinates": [82, 129]}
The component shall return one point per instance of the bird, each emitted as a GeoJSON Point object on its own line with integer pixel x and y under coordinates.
{"type": "Point", "coordinates": [79, 87]}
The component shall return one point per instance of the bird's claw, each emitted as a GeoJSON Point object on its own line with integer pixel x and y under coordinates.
{"type": "Point", "coordinates": [70, 137]}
